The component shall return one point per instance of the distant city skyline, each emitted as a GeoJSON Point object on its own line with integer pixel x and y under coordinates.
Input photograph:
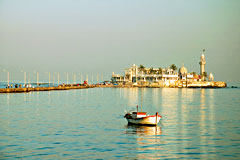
{"type": "Point", "coordinates": [100, 37]}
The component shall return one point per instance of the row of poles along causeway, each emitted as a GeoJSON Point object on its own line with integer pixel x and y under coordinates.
{"type": "Point", "coordinates": [51, 78]}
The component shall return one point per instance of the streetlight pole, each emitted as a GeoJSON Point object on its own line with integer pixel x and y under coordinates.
{"type": "Point", "coordinates": [67, 78]}
{"type": "Point", "coordinates": [37, 79]}
{"type": "Point", "coordinates": [8, 77]}
{"type": "Point", "coordinates": [58, 78]}
{"type": "Point", "coordinates": [72, 78]}
{"type": "Point", "coordinates": [75, 78]}
{"type": "Point", "coordinates": [29, 80]}
{"type": "Point", "coordinates": [49, 76]}
{"type": "Point", "coordinates": [25, 78]}
{"type": "Point", "coordinates": [81, 78]}
{"type": "Point", "coordinates": [53, 79]}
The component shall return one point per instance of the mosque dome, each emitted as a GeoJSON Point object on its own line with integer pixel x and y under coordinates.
{"type": "Point", "coordinates": [211, 77]}
{"type": "Point", "coordinates": [183, 70]}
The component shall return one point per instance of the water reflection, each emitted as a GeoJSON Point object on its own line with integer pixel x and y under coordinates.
{"type": "Point", "coordinates": [8, 99]}
{"type": "Point", "coordinates": [202, 123]}
{"type": "Point", "coordinates": [147, 139]}
{"type": "Point", "coordinates": [132, 95]}
{"type": "Point", "coordinates": [155, 97]}
{"type": "Point", "coordinates": [197, 124]}
{"type": "Point", "coordinates": [143, 130]}
{"type": "Point", "coordinates": [186, 113]}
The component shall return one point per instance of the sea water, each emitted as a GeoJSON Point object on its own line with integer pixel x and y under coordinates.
{"type": "Point", "coordinates": [89, 124]}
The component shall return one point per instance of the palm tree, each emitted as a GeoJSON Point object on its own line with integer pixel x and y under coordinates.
{"type": "Point", "coordinates": [159, 70]}
{"type": "Point", "coordinates": [141, 67]}
{"type": "Point", "coordinates": [194, 73]}
{"type": "Point", "coordinates": [204, 75]}
{"type": "Point", "coordinates": [127, 75]}
{"type": "Point", "coordinates": [151, 70]}
{"type": "Point", "coordinates": [154, 71]}
{"type": "Point", "coordinates": [173, 67]}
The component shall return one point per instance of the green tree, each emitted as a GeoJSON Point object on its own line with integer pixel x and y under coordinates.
{"type": "Point", "coordinates": [173, 67]}
{"type": "Point", "coordinates": [141, 68]}
{"type": "Point", "coordinates": [194, 73]}
{"type": "Point", "coordinates": [160, 70]}
{"type": "Point", "coordinates": [154, 71]}
{"type": "Point", "coordinates": [204, 75]}
{"type": "Point", "coordinates": [151, 70]}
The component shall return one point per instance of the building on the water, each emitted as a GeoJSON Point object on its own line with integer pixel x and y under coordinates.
{"type": "Point", "coordinates": [165, 77]}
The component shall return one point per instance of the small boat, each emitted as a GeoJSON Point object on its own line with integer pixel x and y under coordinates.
{"type": "Point", "coordinates": [141, 118]}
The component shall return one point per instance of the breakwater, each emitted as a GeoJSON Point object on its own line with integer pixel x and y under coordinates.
{"type": "Point", "coordinates": [61, 87]}
{"type": "Point", "coordinates": [206, 84]}
{"type": "Point", "coordinates": [178, 84]}
{"type": "Point", "coordinates": [182, 84]}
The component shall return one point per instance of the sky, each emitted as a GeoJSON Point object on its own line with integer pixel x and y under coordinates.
{"type": "Point", "coordinates": [91, 37]}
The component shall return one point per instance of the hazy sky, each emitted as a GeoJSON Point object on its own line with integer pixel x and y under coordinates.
{"type": "Point", "coordinates": [105, 36]}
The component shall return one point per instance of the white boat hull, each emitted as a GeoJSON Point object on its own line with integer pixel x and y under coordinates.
{"type": "Point", "coordinates": [148, 120]}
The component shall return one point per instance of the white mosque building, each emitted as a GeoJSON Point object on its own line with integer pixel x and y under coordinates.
{"type": "Point", "coordinates": [136, 74]}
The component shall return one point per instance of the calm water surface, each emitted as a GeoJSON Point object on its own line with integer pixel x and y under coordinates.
{"type": "Point", "coordinates": [89, 124]}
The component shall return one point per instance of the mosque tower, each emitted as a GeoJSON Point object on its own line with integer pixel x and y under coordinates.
{"type": "Point", "coordinates": [202, 63]}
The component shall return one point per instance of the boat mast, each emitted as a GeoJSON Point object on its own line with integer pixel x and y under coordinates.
{"type": "Point", "coordinates": [141, 100]}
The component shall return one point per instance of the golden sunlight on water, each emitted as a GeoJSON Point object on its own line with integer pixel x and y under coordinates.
{"type": "Point", "coordinates": [89, 124]}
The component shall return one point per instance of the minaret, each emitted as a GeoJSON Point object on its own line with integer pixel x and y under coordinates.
{"type": "Point", "coordinates": [202, 63]}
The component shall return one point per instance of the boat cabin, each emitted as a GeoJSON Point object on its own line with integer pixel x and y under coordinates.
{"type": "Point", "coordinates": [138, 114]}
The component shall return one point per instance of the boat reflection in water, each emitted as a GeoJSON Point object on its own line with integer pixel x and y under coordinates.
{"type": "Point", "coordinates": [143, 130]}
{"type": "Point", "coordinates": [147, 140]}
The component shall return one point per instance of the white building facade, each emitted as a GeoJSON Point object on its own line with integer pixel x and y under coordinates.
{"type": "Point", "coordinates": [135, 74]}
{"type": "Point", "coordinates": [166, 76]}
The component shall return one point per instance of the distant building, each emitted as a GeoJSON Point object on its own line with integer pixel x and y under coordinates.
{"type": "Point", "coordinates": [184, 75]}
{"type": "Point", "coordinates": [135, 74]}
{"type": "Point", "coordinates": [202, 63]}
{"type": "Point", "coordinates": [167, 76]}
{"type": "Point", "coordinates": [211, 77]}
